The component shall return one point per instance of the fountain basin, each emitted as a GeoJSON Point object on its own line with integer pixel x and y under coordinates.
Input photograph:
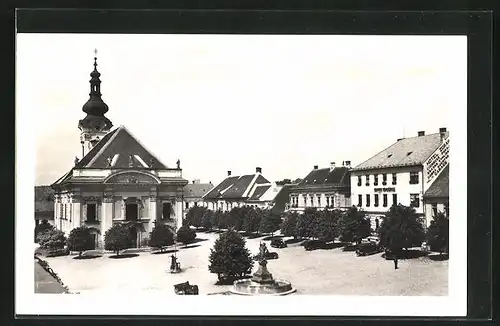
{"type": "Point", "coordinates": [249, 287]}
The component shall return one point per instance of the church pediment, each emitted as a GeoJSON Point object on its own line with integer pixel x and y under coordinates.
{"type": "Point", "coordinates": [132, 177]}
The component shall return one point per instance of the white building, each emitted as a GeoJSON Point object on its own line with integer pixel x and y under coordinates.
{"type": "Point", "coordinates": [400, 174]}
{"type": "Point", "coordinates": [193, 194]}
{"type": "Point", "coordinates": [246, 190]}
{"type": "Point", "coordinates": [323, 188]}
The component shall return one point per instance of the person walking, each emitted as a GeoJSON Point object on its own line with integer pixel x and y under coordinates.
{"type": "Point", "coordinates": [395, 259]}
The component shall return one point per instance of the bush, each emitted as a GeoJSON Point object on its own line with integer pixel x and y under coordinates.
{"type": "Point", "coordinates": [42, 228]}
{"type": "Point", "coordinates": [57, 252]}
{"type": "Point", "coordinates": [438, 233]}
{"type": "Point", "coordinates": [229, 257]}
{"type": "Point", "coordinates": [80, 239]}
{"type": "Point", "coordinates": [313, 244]}
{"type": "Point", "coordinates": [289, 225]}
{"type": "Point", "coordinates": [270, 222]}
{"type": "Point", "coordinates": [194, 216]}
{"type": "Point", "coordinates": [327, 225]}
{"type": "Point", "coordinates": [185, 235]}
{"type": "Point", "coordinates": [401, 229]}
{"type": "Point", "coordinates": [365, 249]}
{"type": "Point", "coordinates": [161, 236]}
{"type": "Point", "coordinates": [117, 238]}
{"type": "Point", "coordinates": [52, 239]}
{"type": "Point", "coordinates": [355, 226]}
{"type": "Point", "coordinates": [305, 223]}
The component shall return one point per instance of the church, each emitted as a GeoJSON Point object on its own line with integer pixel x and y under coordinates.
{"type": "Point", "coordinates": [117, 180]}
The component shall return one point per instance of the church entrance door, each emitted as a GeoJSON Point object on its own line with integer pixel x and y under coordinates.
{"type": "Point", "coordinates": [131, 214]}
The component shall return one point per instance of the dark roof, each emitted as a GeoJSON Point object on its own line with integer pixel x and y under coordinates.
{"type": "Point", "coordinates": [235, 186]}
{"type": "Point", "coordinates": [339, 176]}
{"type": "Point", "coordinates": [405, 152]}
{"type": "Point", "coordinates": [282, 198]}
{"type": "Point", "coordinates": [121, 142]}
{"type": "Point", "coordinates": [259, 191]}
{"type": "Point", "coordinates": [440, 187]}
{"type": "Point", "coordinates": [197, 190]}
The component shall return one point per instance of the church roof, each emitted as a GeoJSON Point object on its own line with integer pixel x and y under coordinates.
{"type": "Point", "coordinates": [119, 149]}
{"type": "Point", "coordinates": [441, 186]}
{"type": "Point", "coordinates": [405, 152]}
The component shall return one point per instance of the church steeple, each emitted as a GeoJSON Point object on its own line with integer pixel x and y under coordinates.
{"type": "Point", "coordinates": [95, 125]}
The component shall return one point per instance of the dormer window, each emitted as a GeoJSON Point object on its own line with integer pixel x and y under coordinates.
{"type": "Point", "coordinates": [389, 156]}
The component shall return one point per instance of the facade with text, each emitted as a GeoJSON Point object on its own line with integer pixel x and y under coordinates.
{"type": "Point", "coordinates": [400, 174]}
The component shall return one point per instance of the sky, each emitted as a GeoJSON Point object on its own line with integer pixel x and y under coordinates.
{"type": "Point", "coordinates": [236, 102]}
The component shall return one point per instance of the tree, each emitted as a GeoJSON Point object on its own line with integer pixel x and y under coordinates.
{"type": "Point", "coordinates": [251, 219]}
{"type": "Point", "coordinates": [185, 235]}
{"type": "Point", "coordinates": [80, 239]}
{"type": "Point", "coordinates": [327, 225]}
{"type": "Point", "coordinates": [305, 223]}
{"type": "Point", "coordinates": [161, 236]}
{"type": "Point", "coordinates": [42, 228]}
{"type": "Point", "coordinates": [289, 225]}
{"type": "Point", "coordinates": [52, 239]}
{"type": "Point", "coordinates": [117, 238]}
{"type": "Point", "coordinates": [401, 229]}
{"type": "Point", "coordinates": [284, 182]}
{"type": "Point", "coordinates": [438, 233]}
{"type": "Point", "coordinates": [355, 226]}
{"type": "Point", "coordinates": [270, 222]}
{"type": "Point", "coordinates": [229, 256]}
{"type": "Point", "coordinates": [207, 220]}
{"type": "Point", "coordinates": [194, 216]}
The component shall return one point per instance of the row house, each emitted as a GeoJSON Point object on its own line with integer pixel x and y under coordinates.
{"type": "Point", "coordinates": [323, 188]}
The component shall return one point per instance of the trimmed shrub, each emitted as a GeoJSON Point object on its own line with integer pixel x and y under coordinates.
{"type": "Point", "coordinates": [52, 239]}
{"type": "Point", "coordinates": [117, 238]}
{"type": "Point", "coordinates": [185, 235]}
{"type": "Point", "coordinates": [161, 236]}
{"type": "Point", "coordinates": [42, 228]}
{"type": "Point", "coordinates": [80, 239]}
{"type": "Point", "coordinates": [365, 249]}
{"type": "Point", "coordinates": [278, 243]}
{"type": "Point", "coordinates": [438, 233]}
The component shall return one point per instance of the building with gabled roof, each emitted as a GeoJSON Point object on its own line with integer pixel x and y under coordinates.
{"type": "Point", "coordinates": [437, 196]}
{"type": "Point", "coordinates": [237, 191]}
{"type": "Point", "coordinates": [193, 193]}
{"type": "Point", "coordinates": [399, 174]}
{"type": "Point", "coordinates": [323, 188]}
{"type": "Point", "coordinates": [117, 179]}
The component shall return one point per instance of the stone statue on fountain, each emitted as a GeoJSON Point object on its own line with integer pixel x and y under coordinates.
{"type": "Point", "coordinates": [262, 275]}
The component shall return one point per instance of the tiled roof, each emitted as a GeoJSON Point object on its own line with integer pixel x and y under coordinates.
{"type": "Point", "coordinates": [339, 176]}
{"type": "Point", "coordinates": [259, 191]}
{"type": "Point", "coordinates": [122, 148]}
{"type": "Point", "coordinates": [234, 187]}
{"type": "Point", "coordinates": [440, 187]}
{"type": "Point", "coordinates": [405, 152]}
{"type": "Point", "coordinates": [197, 190]}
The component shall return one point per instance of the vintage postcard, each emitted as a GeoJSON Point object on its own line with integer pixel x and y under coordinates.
{"type": "Point", "coordinates": [309, 171]}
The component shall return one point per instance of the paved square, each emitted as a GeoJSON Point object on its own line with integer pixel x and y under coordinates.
{"type": "Point", "coordinates": [311, 272]}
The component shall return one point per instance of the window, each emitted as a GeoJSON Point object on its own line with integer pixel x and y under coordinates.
{"type": "Point", "coordinates": [167, 210]}
{"type": "Point", "coordinates": [187, 205]}
{"type": "Point", "coordinates": [319, 200]}
{"type": "Point", "coordinates": [384, 199]}
{"type": "Point", "coordinates": [91, 212]}
{"type": "Point", "coordinates": [367, 180]}
{"type": "Point", "coordinates": [384, 179]}
{"type": "Point", "coordinates": [360, 200]}
{"type": "Point", "coordinates": [446, 209]}
{"type": "Point", "coordinates": [359, 180]}
{"type": "Point", "coordinates": [375, 181]}
{"type": "Point", "coordinates": [327, 201]}
{"type": "Point", "coordinates": [434, 209]}
{"type": "Point", "coordinates": [413, 178]}
{"type": "Point", "coordinates": [394, 179]}
{"type": "Point", "coordinates": [414, 200]}
{"type": "Point", "coordinates": [367, 200]}
{"type": "Point", "coordinates": [375, 200]}
{"type": "Point", "coordinates": [395, 199]}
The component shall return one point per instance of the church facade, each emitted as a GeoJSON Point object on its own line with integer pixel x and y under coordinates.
{"type": "Point", "coordinates": [117, 180]}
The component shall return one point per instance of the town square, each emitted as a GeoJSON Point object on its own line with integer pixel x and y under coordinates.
{"type": "Point", "coordinates": [204, 195]}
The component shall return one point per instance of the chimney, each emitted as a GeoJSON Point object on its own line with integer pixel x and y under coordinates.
{"type": "Point", "coordinates": [315, 167]}
{"type": "Point", "coordinates": [442, 132]}
{"type": "Point", "coordinates": [332, 166]}
{"type": "Point", "coordinates": [347, 164]}
{"type": "Point", "coordinates": [258, 170]}
{"type": "Point", "coordinates": [421, 133]}
{"type": "Point", "coordinates": [228, 173]}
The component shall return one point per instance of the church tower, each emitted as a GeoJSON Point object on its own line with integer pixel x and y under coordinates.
{"type": "Point", "coordinates": [95, 125]}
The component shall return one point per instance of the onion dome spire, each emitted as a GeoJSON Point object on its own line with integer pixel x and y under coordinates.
{"type": "Point", "coordinates": [95, 105]}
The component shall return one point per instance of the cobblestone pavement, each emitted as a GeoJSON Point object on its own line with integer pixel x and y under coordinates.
{"type": "Point", "coordinates": [310, 272]}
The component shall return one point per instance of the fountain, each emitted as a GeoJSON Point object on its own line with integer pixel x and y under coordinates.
{"type": "Point", "coordinates": [262, 282]}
